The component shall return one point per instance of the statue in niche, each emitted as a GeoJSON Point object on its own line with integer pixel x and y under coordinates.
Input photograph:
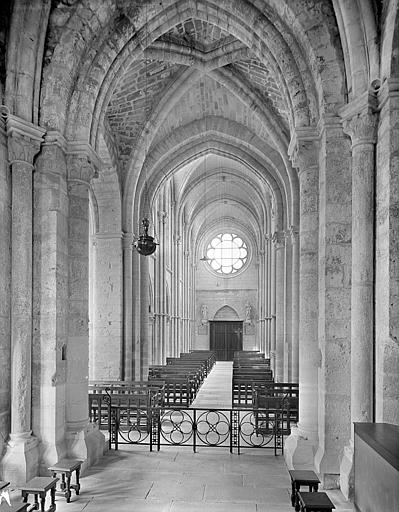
{"type": "Point", "coordinates": [204, 314]}
{"type": "Point", "coordinates": [248, 313]}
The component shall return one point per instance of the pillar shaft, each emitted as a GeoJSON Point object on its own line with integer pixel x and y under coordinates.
{"type": "Point", "coordinates": [21, 296]}
{"type": "Point", "coordinates": [362, 129]}
{"type": "Point", "coordinates": [279, 244]}
{"type": "Point", "coordinates": [80, 171]}
{"type": "Point", "coordinates": [309, 358]}
{"type": "Point", "coordinates": [126, 372]}
{"type": "Point", "coordinates": [295, 306]}
{"type": "Point", "coordinates": [21, 459]}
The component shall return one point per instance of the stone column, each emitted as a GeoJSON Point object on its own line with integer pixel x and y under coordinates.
{"type": "Point", "coordinates": [261, 331]}
{"type": "Point", "coordinates": [279, 244]}
{"type": "Point", "coordinates": [334, 298]}
{"type": "Point", "coordinates": [361, 126]}
{"type": "Point", "coordinates": [50, 299]}
{"type": "Point", "coordinates": [145, 342]}
{"type": "Point", "coordinates": [295, 306]}
{"type": "Point", "coordinates": [20, 462]}
{"type": "Point", "coordinates": [272, 306]}
{"type": "Point", "coordinates": [387, 261]}
{"type": "Point", "coordinates": [300, 446]}
{"type": "Point", "coordinates": [287, 349]}
{"type": "Point", "coordinates": [107, 315]}
{"type": "Point", "coordinates": [82, 440]}
{"type": "Point", "coordinates": [127, 245]}
{"type": "Point", "coordinates": [268, 295]}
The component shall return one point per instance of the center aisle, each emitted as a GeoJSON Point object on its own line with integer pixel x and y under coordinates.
{"type": "Point", "coordinates": [215, 392]}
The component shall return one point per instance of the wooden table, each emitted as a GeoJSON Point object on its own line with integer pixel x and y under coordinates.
{"type": "Point", "coordinates": [315, 502]}
{"type": "Point", "coordinates": [302, 477]}
{"type": "Point", "coordinates": [66, 467]}
{"type": "Point", "coordinates": [39, 486]}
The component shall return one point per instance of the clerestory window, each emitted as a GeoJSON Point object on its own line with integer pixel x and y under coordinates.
{"type": "Point", "coordinates": [227, 253]}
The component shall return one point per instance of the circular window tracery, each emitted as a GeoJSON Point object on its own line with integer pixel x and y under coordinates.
{"type": "Point", "coordinates": [227, 253]}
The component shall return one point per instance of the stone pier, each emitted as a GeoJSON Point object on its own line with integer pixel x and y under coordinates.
{"type": "Point", "coordinates": [360, 122]}
{"type": "Point", "coordinates": [300, 446]}
{"type": "Point", "coordinates": [21, 460]}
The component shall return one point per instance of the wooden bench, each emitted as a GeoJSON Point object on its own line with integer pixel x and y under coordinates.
{"type": "Point", "coordinates": [66, 467]}
{"type": "Point", "coordinates": [39, 486]}
{"type": "Point", "coordinates": [302, 477]}
{"type": "Point", "coordinates": [315, 502]}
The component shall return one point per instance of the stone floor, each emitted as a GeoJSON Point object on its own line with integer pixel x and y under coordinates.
{"type": "Point", "coordinates": [133, 479]}
{"type": "Point", "coordinates": [215, 392]}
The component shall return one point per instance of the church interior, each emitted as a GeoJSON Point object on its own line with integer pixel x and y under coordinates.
{"type": "Point", "coordinates": [201, 180]}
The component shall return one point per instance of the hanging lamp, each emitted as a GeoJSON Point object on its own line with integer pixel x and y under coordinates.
{"type": "Point", "coordinates": [145, 245]}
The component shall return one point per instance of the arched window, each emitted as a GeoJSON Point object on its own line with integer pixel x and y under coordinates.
{"type": "Point", "coordinates": [227, 253]}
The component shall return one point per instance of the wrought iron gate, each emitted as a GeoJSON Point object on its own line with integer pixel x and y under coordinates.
{"type": "Point", "coordinates": [230, 428]}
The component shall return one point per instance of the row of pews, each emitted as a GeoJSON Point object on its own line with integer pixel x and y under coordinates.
{"type": "Point", "coordinates": [253, 387]}
{"type": "Point", "coordinates": [182, 376]}
{"type": "Point", "coordinates": [172, 385]}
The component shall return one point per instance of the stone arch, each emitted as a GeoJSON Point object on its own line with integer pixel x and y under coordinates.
{"type": "Point", "coordinates": [360, 44]}
{"type": "Point", "coordinates": [390, 42]}
{"type": "Point", "coordinates": [190, 150]}
{"type": "Point", "coordinates": [226, 313]}
{"type": "Point", "coordinates": [109, 52]}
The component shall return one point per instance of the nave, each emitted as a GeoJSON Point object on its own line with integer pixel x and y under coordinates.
{"type": "Point", "coordinates": [177, 480]}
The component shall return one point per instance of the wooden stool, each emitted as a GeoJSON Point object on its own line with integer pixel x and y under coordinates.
{"type": "Point", "coordinates": [39, 486]}
{"type": "Point", "coordinates": [302, 477]}
{"type": "Point", "coordinates": [315, 502]}
{"type": "Point", "coordinates": [66, 467]}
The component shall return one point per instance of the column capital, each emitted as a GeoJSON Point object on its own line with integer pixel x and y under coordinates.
{"type": "Point", "coordinates": [23, 139]}
{"type": "Point", "coordinates": [360, 119]}
{"type": "Point", "coordinates": [162, 215]}
{"type": "Point", "coordinates": [304, 148]}
{"type": "Point", "coordinates": [80, 168]}
{"type": "Point", "coordinates": [55, 138]}
{"type": "Point", "coordinates": [278, 239]}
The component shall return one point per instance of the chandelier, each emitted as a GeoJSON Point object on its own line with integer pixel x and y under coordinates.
{"type": "Point", "coordinates": [145, 244]}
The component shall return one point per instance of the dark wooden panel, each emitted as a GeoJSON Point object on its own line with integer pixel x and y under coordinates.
{"type": "Point", "coordinates": [225, 339]}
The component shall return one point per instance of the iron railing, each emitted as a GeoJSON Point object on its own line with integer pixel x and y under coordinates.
{"type": "Point", "coordinates": [234, 429]}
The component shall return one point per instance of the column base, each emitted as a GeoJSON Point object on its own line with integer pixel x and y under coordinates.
{"type": "Point", "coordinates": [299, 450]}
{"type": "Point", "coordinates": [346, 477]}
{"type": "Point", "coordinates": [50, 453]}
{"type": "Point", "coordinates": [325, 461]}
{"type": "Point", "coordinates": [21, 460]}
{"type": "Point", "coordinates": [86, 444]}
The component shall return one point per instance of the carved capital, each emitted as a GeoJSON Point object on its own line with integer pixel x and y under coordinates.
{"type": "Point", "coordinates": [304, 151]}
{"type": "Point", "coordinates": [24, 140]}
{"type": "Point", "coordinates": [162, 216]}
{"type": "Point", "coordinates": [278, 239]}
{"type": "Point", "coordinates": [362, 127]}
{"type": "Point", "coordinates": [177, 239]}
{"type": "Point", "coordinates": [80, 169]}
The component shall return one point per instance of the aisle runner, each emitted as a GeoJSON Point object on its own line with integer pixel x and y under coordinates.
{"type": "Point", "coordinates": [215, 392]}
